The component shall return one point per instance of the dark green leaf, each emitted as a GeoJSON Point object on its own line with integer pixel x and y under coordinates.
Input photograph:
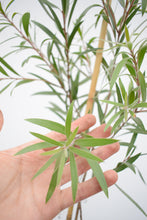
{"type": "Point", "coordinates": [119, 97]}
{"type": "Point", "coordinates": [132, 200]}
{"type": "Point", "coordinates": [25, 22]}
{"type": "Point", "coordinates": [48, 32]}
{"type": "Point", "coordinates": [3, 71]}
{"type": "Point", "coordinates": [69, 120]}
{"type": "Point", "coordinates": [74, 175]}
{"type": "Point", "coordinates": [100, 113]}
{"type": "Point", "coordinates": [1, 9]}
{"type": "Point", "coordinates": [141, 54]}
{"type": "Point", "coordinates": [85, 154]}
{"type": "Point", "coordinates": [65, 6]}
{"type": "Point", "coordinates": [93, 142]}
{"type": "Point", "coordinates": [72, 10]}
{"type": "Point", "coordinates": [48, 124]}
{"type": "Point", "coordinates": [7, 66]}
{"type": "Point", "coordinates": [74, 31]}
{"type": "Point", "coordinates": [98, 173]}
{"type": "Point", "coordinates": [47, 139]}
{"type": "Point", "coordinates": [127, 34]}
{"type": "Point", "coordinates": [9, 4]}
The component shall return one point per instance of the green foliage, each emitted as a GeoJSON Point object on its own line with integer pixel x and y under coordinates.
{"type": "Point", "coordinates": [66, 54]}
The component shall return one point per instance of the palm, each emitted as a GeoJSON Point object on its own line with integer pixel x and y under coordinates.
{"type": "Point", "coordinates": [24, 198]}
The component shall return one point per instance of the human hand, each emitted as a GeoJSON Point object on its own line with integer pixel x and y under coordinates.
{"type": "Point", "coordinates": [22, 198]}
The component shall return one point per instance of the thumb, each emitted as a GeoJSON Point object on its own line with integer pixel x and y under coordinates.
{"type": "Point", "coordinates": [1, 120]}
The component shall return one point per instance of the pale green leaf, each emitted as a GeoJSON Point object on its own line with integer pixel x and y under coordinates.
{"type": "Point", "coordinates": [116, 72]}
{"type": "Point", "coordinates": [112, 119]}
{"type": "Point", "coordinates": [71, 137]}
{"type": "Point", "coordinates": [46, 165]}
{"type": "Point", "coordinates": [141, 54]}
{"type": "Point", "coordinates": [93, 142]}
{"type": "Point", "coordinates": [51, 152]}
{"type": "Point", "coordinates": [60, 168]}
{"type": "Point", "coordinates": [85, 154]}
{"type": "Point", "coordinates": [74, 175]}
{"type": "Point", "coordinates": [144, 6]}
{"type": "Point", "coordinates": [55, 126]}
{"type": "Point", "coordinates": [52, 186]}
{"type": "Point", "coordinates": [47, 139]}
{"type": "Point", "coordinates": [98, 173]}
{"type": "Point", "coordinates": [69, 120]}
{"type": "Point", "coordinates": [33, 147]}
{"type": "Point", "coordinates": [142, 85]}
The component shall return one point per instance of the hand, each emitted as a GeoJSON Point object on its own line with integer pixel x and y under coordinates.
{"type": "Point", "coordinates": [22, 198]}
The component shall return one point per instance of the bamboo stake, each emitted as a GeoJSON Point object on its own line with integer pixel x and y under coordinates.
{"type": "Point", "coordinates": [96, 71]}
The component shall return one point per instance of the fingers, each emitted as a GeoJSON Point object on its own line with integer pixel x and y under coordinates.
{"type": "Point", "coordinates": [87, 189]}
{"type": "Point", "coordinates": [1, 120]}
{"type": "Point", "coordinates": [102, 152]}
{"type": "Point", "coordinates": [83, 123]}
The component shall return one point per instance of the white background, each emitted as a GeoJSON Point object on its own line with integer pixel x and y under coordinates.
{"type": "Point", "coordinates": [22, 105]}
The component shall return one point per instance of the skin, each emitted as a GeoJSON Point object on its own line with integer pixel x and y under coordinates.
{"type": "Point", "coordinates": [22, 198]}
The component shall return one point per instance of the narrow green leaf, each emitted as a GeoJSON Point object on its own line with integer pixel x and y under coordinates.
{"type": "Point", "coordinates": [7, 66]}
{"type": "Point", "coordinates": [85, 154]}
{"type": "Point", "coordinates": [117, 71]}
{"type": "Point", "coordinates": [52, 152]}
{"type": "Point", "coordinates": [132, 200]}
{"type": "Point", "coordinates": [46, 165]}
{"type": "Point", "coordinates": [127, 34]}
{"type": "Point", "coordinates": [72, 10]}
{"type": "Point", "coordinates": [100, 112]}
{"type": "Point", "coordinates": [25, 22]}
{"type": "Point", "coordinates": [113, 103]}
{"type": "Point", "coordinates": [2, 90]}
{"type": "Point", "coordinates": [131, 97]}
{"type": "Point", "coordinates": [3, 71]}
{"type": "Point", "coordinates": [74, 175]}
{"type": "Point", "coordinates": [71, 137]}
{"type": "Point", "coordinates": [119, 97]}
{"type": "Point", "coordinates": [65, 6]}
{"type": "Point", "coordinates": [144, 6]}
{"type": "Point", "coordinates": [47, 139]}
{"type": "Point", "coordinates": [112, 119]}
{"type": "Point", "coordinates": [61, 168]}
{"type": "Point", "coordinates": [48, 32]}
{"type": "Point", "coordinates": [139, 122]}
{"type": "Point", "coordinates": [98, 173]}
{"type": "Point", "coordinates": [142, 85]}
{"type": "Point", "coordinates": [117, 123]}
{"type": "Point", "coordinates": [52, 186]}
{"type": "Point", "coordinates": [56, 20]}
{"type": "Point", "coordinates": [69, 120]}
{"type": "Point", "coordinates": [141, 105]}
{"type": "Point", "coordinates": [123, 91]}
{"type": "Point", "coordinates": [131, 144]}
{"type": "Point", "coordinates": [141, 54]}
{"type": "Point", "coordinates": [33, 147]}
{"type": "Point", "coordinates": [1, 9]}
{"type": "Point", "coordinates": [141, 176]}
{"type": "Point", "coordinates": [93, 142]}
{"type": "Point", "coordinates": [74, 31]}
{"type": "Point", "coordinates": [55, 126]}
{"type": "Point", "coordinates": [122, 166]}
{"type": "Point", "coordinates": [9, 4]}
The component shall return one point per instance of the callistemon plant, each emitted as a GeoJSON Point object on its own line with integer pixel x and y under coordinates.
{"type": "Point", "coordinates": [68, 60]}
